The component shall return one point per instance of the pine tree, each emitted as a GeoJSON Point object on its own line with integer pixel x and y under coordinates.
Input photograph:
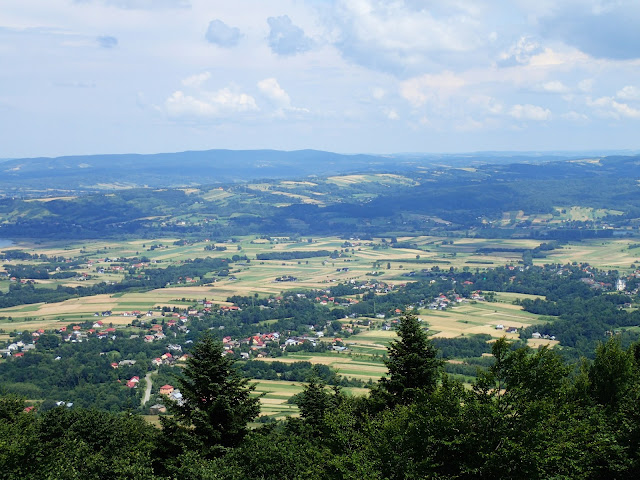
{"type": "Point", "coordinates": [217, 402]}
{"type": "Point", "coordinates": [413, 364]}
{"type": "Point", "coordinates": [315, 402]}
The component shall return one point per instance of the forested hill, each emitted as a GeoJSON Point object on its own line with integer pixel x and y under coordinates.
{"type": "Point", "coordinates": [184, 168]}
{"type": "Point", "coordinates": [88, 172]}
{"type": "Point", "coordinates": [522, 199]}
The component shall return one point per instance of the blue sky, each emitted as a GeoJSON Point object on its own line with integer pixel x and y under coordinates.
{"type": "Point", "coordinates": [376, 76]}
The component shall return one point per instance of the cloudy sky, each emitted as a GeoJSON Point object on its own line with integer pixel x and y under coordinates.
{"type": "Point", "coordinates": [378, 76]}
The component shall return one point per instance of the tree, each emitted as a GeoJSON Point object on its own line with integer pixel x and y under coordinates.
{"type": "Point", "coordinates": [413, 364]}
{"type": "Point", "coordinates": [217, 401]}
{"type": "Point", "coordinates": [315, 402]}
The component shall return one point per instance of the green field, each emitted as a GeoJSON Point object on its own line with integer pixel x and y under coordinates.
{"type": "Point", "coordinates": [361, 259]}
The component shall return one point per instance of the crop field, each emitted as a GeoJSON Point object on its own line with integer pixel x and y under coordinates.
{"type": "Point", "coordinates": [477, 318]}
{"type": "Point", "coordinates": [606, 254]}
{"type": "Point", "coordinates": [386, 179]}
{"type": "Point", "coordinates": [276, 393]}
{"type": "Point", "coordinates": [362, 260]}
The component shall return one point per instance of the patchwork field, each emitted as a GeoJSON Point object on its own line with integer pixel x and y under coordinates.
{"type": "Point", "coordinates": [357, 260]}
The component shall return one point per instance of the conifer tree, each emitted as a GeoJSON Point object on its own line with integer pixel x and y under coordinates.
{"type": "Point", "coordinates": [413, 364]}
{"type": "Point", "coordinates": [217, 402]}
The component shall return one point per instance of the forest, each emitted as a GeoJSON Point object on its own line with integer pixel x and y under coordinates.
{"type": "Point", "coordinates": [528, 415]}
{"type": "Point", "coordinates": [433, 200]}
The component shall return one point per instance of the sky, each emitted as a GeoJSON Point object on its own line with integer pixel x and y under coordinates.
{"type": "Point", "coordinates": [349, 76]}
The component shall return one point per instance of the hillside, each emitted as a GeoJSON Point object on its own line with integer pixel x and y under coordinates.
{"type": "Point", "coordinates": [104, 172]}
{"type": "Point", "coordinates": [494, 200]}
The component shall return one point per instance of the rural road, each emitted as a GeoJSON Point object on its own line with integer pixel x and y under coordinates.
{"type": "Point", "coordinates": [147, 391]}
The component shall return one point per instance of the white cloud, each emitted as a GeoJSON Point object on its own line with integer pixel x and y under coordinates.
{"type": "Point", "coordinates": [391, 114]}
{"type": "Point", "coordinates": [530, 112]}
{"type": "Point", "coordinates": [520, 53]}
{"type": "Point", "coordinates": [575, 116]}
{"type": "Point", "coordinates": [274, 92]}
{"type": "Point", "coordinates": [554, 87]}
{"type": "Point", "coordinates": [404, 35]}
{"type": "Point", "coordinates": [629, 93]}
{"type": "Point", "coordinates": [586, 85]}
{"type": "Point", "coordinates": [218, 104]}
{"type": "Point", "coordinates": [195, 81]}
{"type": "Point", "coordinates": [278, 97]}
{"type": "Point", "coordinates": [420, 90]}
{"type": "Point", "coordinates": [486, 103]}
{"type": "Point", "coordinates": [378, 93]}
{"type": "Point", "coordinates": [609, 107]}
{"type": "Point", "coordinates": [549, 57]}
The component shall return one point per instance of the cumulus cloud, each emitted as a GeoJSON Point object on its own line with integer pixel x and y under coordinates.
{"type": "Point", "coordinates": [629, 93]}
{"type": "Point", "coordinates": [278, 97]}
{"type": "Point", "coordinates": [274, 92]}
{"type": "Point", "coordinates": [520, 53]}
{"type": "Point", "coordinates": [554, 86]}
{"type": "Point", "coordinates": [405, 36]}
{"type": "Point", "coordinates": [195, 81]}
{"type": "Point", "coordinates": [609, 107]}
{"type": "Point", "coordinates": [420, 90]}
{"type": "Point", "coordinates": [285, 38]}
{"type": "Point", "coordinates": [391, 114]}
{"type": "Point", "coordinates": [486, 104]}
{"type": "Point", "coordinates": [530, 112]}
{"type": "Point", "coordinates": [219, 33]}
{"type": "Point", "coordinates": [209, 105]}
{"type": "Point", "coordinates": [600, 28]}
{"type": "Point", "coordinates": [575, 116]}
{"type": "Point", "coordinates": [107, 41]}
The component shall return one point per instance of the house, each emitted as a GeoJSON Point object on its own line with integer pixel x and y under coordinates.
{"type": "Point", "coordinates": [166, 390]}
{"type": "Point", "coordinates": [157, 409]}
{"type": "Point", "coordinates": [176, 396]}
{"type": "Point", "coordinates": [536, 335]}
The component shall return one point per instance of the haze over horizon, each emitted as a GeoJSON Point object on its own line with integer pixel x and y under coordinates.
{"type": "Point", "coordinates": [148, 76]}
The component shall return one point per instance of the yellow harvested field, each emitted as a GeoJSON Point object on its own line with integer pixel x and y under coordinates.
{"type": "Point", "coordinates": [541, 342]}
{"type": "Point", "coordinates": [50, 199]}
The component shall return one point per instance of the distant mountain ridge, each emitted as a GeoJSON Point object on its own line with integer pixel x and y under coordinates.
{"type": "Point", "coordinates": [100, 172]}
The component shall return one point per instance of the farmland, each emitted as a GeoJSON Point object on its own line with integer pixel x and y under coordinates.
{"type": "Point", "coordinates": [354, 261]}
{"type": "Point", "coordinates": [291, 265]}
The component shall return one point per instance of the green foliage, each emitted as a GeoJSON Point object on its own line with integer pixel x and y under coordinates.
{"type": "Point", "coordinates": [217, 401]}
{"type": "Point", "coordinates": [414, 368]}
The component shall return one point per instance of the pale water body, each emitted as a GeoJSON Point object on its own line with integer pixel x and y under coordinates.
{"type": "Point", "coordinates": [5, 243]}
